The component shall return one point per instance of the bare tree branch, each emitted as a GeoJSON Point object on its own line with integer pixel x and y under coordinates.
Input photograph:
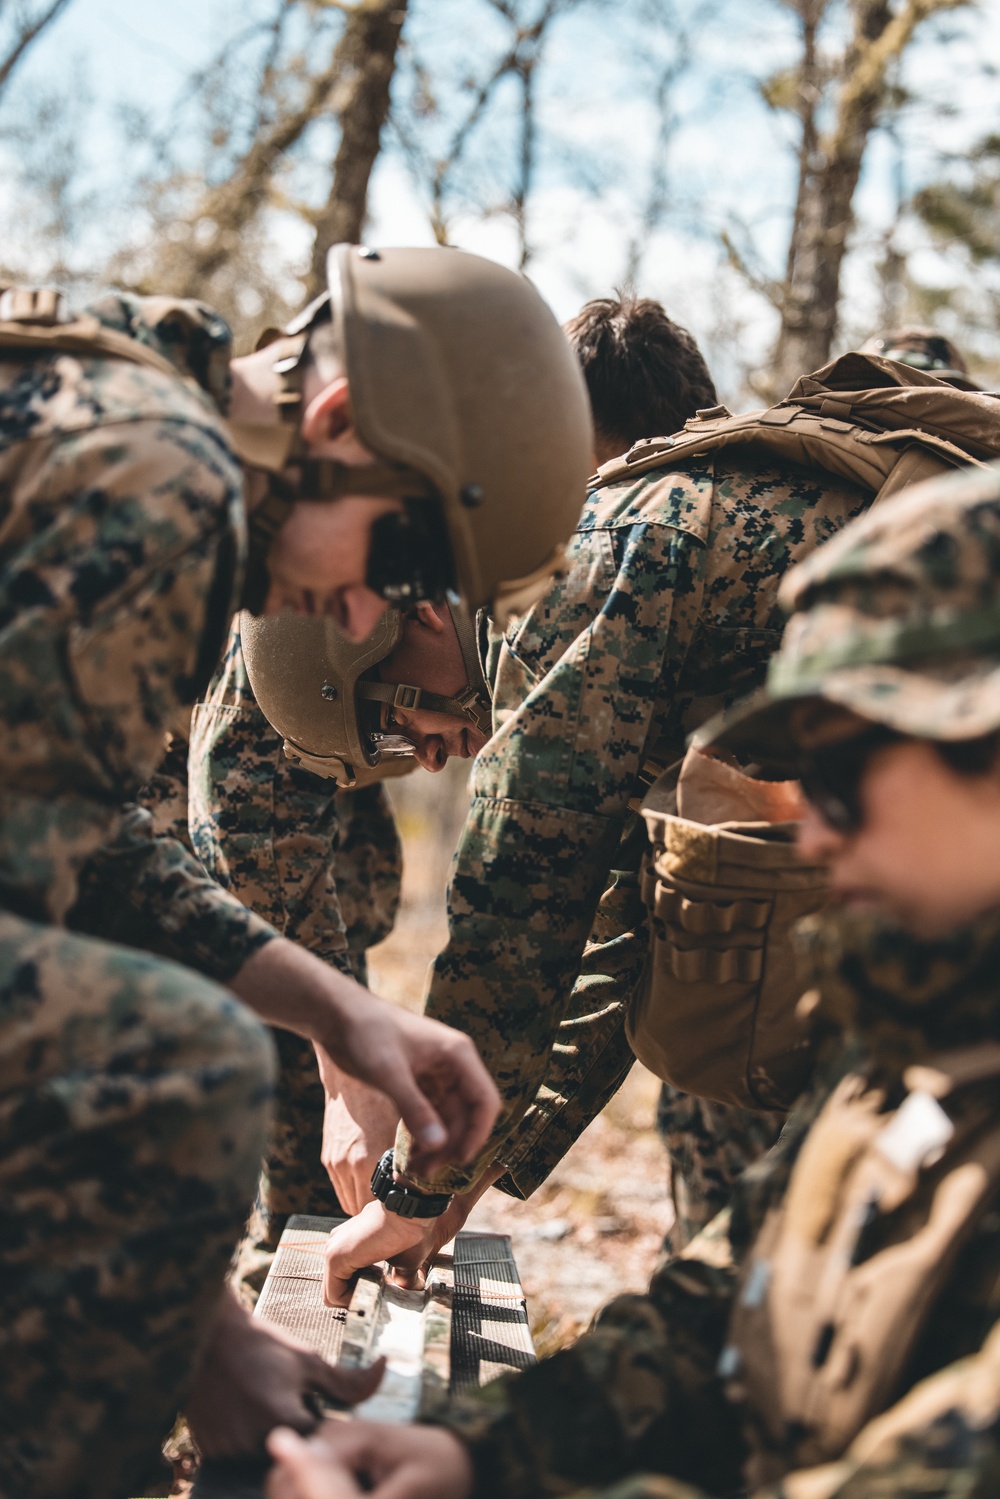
{"type": "Point", "coordinates": [519, 60]}
{"type": "Point", "coordinates": [28, 33]}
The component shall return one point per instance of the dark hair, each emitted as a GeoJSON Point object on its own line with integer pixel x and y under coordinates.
{"type": "Point", "coordinates": [970, 757]}
{"type": "Point", "coordinates": [645, 374]}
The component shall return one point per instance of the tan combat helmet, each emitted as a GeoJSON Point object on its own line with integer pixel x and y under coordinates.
{"type": "Point", "coordinates": [322, 692]}
{"type": "Point", "coordinates": [923, 349]}
{"type": "Point", "coordinates": [466, 390]}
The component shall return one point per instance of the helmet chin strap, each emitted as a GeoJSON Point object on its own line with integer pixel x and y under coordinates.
{"type": "Point", "coordinates": [473, 704]}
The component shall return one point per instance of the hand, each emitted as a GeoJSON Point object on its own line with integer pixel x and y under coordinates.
{"type": "Point", "coordinates": [359, 1125]}
{"type": "Point", "coordinates": [354, 1457]}
{"type": "Point", "coordinates": [251, 1378]}
{"type": "Point", "coordinates": [407, 1243]}
{"type": "Point", "coordinates": [432, 1073]}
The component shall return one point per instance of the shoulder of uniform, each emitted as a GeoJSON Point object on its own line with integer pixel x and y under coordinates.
{"type": "Point", "coordinates": [652, 453]}
{"type": "Point", "coordinates": [190, 335]}
{"type": "Point", "coordinates": [675, 494]}
{"type": "Point", "coordinates": [179, 338]}
{"type": "Point", "coordinates": [124, 359]}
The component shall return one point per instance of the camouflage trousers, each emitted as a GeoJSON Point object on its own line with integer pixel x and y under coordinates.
{"type": "Point", "coordinates": [134, 1099]}
{"type": "Point", "coordinates": [709, 1145]}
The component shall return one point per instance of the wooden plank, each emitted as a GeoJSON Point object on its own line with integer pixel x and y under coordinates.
{"type": "Point", "coordinates": [467, 1326]}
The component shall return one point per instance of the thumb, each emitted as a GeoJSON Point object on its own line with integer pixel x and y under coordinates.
{"type": "Point", "coordinates": [347, 1386]}
{"type": "Point", "coordinates": [302, 1473]}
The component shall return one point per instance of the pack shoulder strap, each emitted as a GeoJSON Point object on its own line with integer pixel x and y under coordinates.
{"type": "Point", "coordinates": [37, 319]}
{"type": "Point", "coordinates": [881, 435]}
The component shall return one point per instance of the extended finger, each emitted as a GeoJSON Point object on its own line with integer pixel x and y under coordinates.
{"type": "Point", "coordinates": [348, 1386]}
{"type": "Point", "coordinates": [467, 1099]}
{"type": "Point", "coordinates": [483, 1104]}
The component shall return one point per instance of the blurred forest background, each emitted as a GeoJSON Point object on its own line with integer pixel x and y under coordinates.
{"type": "Point", "coordinates": [787, 176]}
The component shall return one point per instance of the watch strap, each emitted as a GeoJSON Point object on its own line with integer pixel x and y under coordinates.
{"type": "Point", "coordinates": [405, 1202]}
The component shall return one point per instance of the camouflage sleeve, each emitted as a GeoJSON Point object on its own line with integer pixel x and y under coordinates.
{"type": "Point", "coordinates": [550, 798]}
{"type": "Point", "coordinates": [139, 524]}
{"type": "Point", "coordinates": [151, 893]}
{"type": "Point", "coordinates": [591, 1056]}
{"type": "Point", "coordinates": [637, 1393]}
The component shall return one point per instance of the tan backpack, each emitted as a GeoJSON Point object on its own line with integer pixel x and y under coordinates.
{"type": "Point", "coordinates": [717, 1012]}
{"type": "Point", "coordinates": [865, 419]}
{"type": "Point", "coordinates": [844, 1275]}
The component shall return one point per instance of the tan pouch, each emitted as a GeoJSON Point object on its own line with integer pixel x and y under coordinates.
{"type": "Point", "coordinates": [843, 1276]}
{"type": "Point", "coordinates": [716, 1013]}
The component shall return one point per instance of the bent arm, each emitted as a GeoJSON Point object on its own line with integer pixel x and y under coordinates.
{"type": "Point", "coordinates": [637, 1393]}
{"type": "Point", "coordinates": [591, 1056]}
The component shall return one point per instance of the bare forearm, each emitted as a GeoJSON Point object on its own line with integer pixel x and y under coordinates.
{"type": "Point", "coordinates": [432, 1074]}
{"type": "Point", "coordinates": [289, 987]}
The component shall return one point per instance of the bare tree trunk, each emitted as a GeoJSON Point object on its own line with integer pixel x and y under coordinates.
{"type": "Point", "coordinates": [829, 167]}
{"type": "Point", "coordinates": [366, 60]}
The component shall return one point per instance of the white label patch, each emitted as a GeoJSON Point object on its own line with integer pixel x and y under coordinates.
{"type": "Point", "coordinates": [917, 1134]}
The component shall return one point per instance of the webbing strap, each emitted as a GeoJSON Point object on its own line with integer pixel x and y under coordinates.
{"type": "Point", "coordinates": [846, 449]}
{"type": "Point", "coordinates": [83, 335]}
{"type": "Point", "coordinates": [467, 705]}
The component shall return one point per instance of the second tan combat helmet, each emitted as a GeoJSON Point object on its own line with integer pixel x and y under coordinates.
{"type": "Point", "coordinates": [323, 695]}
{"type": "Point", "coordinates": [466, 390]}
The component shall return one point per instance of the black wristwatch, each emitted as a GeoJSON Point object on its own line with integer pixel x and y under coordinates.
{"type": "Point", "coordinates": [406, 1201]}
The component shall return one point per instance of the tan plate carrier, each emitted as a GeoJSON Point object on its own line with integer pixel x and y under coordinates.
{"type": "Point", "coordinates": [842, 1279]}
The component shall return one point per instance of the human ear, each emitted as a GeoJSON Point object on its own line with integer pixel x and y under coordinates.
{"type": "Point", "coordinates": [430, 618]}
{"type": "Point", "coordinates": [328, 414]}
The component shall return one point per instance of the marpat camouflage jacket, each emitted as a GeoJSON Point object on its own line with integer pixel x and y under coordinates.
{"type": "Point", "coordinates": [322, 865]}
{"type": "Point", "coordinates": [668, 613]}
{"type": "Point", "coordinates": [122, 539]}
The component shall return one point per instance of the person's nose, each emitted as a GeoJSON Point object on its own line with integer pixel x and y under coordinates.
{"type": "Point", "coordinates": [431, 752]}
{"type": "Point", "coordinates": [816, 841]}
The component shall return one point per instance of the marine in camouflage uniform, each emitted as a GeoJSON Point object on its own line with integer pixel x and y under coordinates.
{"type": "Point", "coordinates": [897, 620]}
{"type": "Point", "coordinates": [132, 1091]}
{"type": "Point", "coordinates": [640, 1393]}
{"type": "Point", "coordinates": [322, 865]}
{"type": "Point", "coordinates": [668, 613]}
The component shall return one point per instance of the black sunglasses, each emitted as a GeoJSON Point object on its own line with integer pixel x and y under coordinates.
{"type": "Point", "coordinates": [831, 775]}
